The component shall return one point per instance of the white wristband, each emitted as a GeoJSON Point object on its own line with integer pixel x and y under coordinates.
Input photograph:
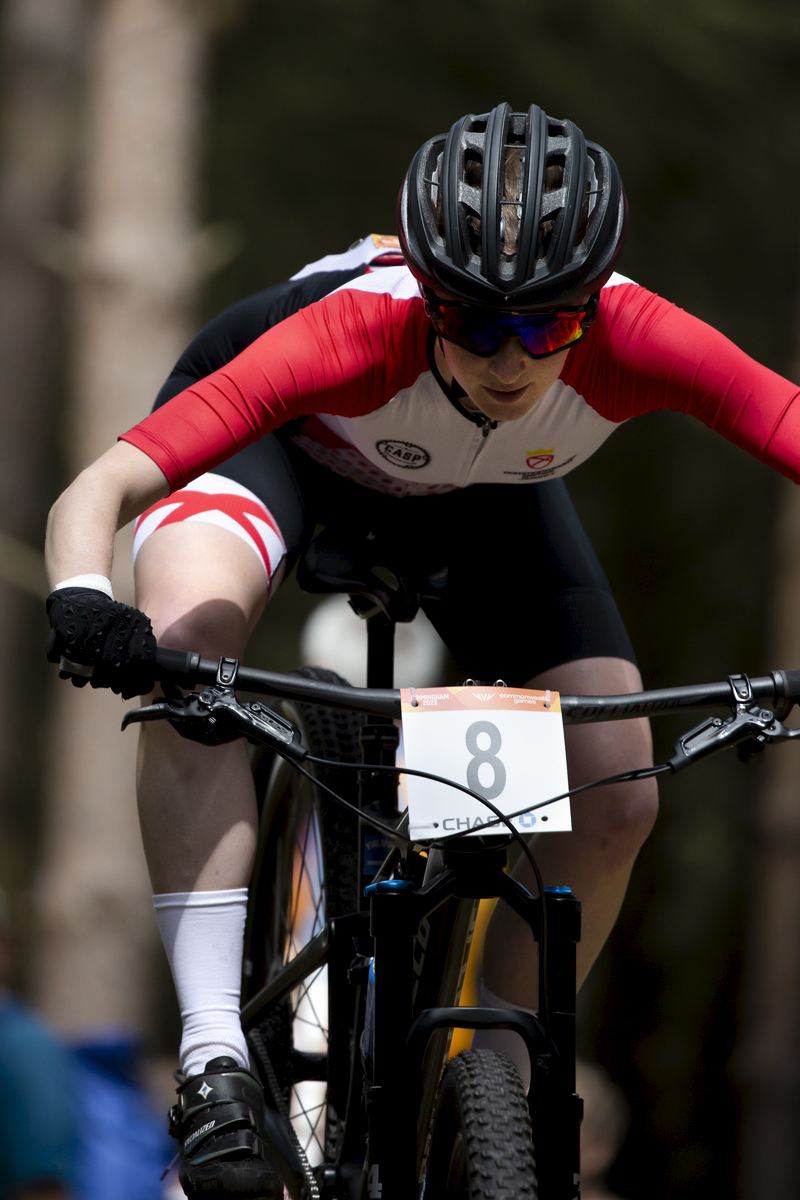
{"type": "Point", "coordinates": [98, 583]}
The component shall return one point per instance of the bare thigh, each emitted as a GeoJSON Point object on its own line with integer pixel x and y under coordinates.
{"type": "Point", "coordinates": [203, 589]}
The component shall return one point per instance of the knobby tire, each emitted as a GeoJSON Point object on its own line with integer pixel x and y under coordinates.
{"type": "Point", "coordinates": [481, 1146]}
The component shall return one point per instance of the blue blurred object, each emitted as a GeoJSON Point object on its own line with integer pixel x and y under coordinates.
{"type": "Point", "coordinates": [124, 1145]}
{"type": "Point", "coordinates": [37, 1114]}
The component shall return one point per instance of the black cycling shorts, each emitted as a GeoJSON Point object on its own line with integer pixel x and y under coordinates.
{"type": "Point", "coordinates": [518, 587]}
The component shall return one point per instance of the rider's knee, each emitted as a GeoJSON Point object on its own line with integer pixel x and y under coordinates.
{"type": "Point", "coordinates": [629, 815]}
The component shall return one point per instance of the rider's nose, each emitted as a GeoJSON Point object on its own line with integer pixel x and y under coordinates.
{"type": "Point", "coordinates": [508, 364]}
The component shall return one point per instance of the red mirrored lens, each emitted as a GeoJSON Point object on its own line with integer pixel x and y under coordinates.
{"type": "Point", "coordinates": [483, 331]}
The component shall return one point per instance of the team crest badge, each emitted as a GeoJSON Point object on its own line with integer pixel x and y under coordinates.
{"type": "Point", "coordinates": [540, 458]}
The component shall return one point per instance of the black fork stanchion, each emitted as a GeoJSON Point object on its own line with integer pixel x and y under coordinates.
{"type": "Point", "coordinates": [389, 1171]}
{"type": "Point", "coordinates": [556, 1108]}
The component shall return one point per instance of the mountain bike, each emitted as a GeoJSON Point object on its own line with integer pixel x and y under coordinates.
{"type": "Point", "coordinates": [358, 936]}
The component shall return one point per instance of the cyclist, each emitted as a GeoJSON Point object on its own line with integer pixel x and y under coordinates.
{"type": "Point", "coordinates": [434, 397]}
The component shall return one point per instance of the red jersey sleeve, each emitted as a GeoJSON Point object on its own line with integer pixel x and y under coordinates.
{"type": "Point", "coordinates": [347, 354]}
{"type": "Point", "coordinates": [644, 353]}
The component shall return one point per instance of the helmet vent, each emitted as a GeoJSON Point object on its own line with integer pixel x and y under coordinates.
{"type": "Point", "coordinates": [590, 208]}
{"type": "Point", "coordinates": [554, 199]}
{"type": "Point", "coordinates": [554, 173]}
{"type": "Point", "coordinates": [513, 184]}
{"type": "Point", "coordinates": [473, 169]}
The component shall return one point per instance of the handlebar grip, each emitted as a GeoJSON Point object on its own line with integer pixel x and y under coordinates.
{"type": "Point", "coordinates": [791, 684]}
{"type": "Point", "coordinates": [177, 666]}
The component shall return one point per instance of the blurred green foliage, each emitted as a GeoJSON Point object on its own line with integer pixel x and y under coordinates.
{"type": "Point", "coordinates": [314, 110]}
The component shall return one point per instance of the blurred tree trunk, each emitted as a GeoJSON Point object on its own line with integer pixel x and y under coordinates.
{"type": "Point", "coordinates": [134, 294]}
{"type": "Point", "coordinates": [769, 1060]}
{"type": "Point", "coordinates": [41, 58]}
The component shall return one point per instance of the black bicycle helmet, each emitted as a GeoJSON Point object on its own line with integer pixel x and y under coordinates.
{"type": "Point", "coordinates": [512, 210]}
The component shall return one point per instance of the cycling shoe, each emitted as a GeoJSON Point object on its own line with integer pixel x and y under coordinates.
{"type": "Point", "coordinates": [219, 1120]}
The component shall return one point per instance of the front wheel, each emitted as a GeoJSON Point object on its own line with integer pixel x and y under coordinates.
{"type": "Point", "coordinates": [481, 1147]}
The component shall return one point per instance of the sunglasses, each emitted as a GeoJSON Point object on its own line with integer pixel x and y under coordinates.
{"type": "Point", "coordinates": [482, 331]}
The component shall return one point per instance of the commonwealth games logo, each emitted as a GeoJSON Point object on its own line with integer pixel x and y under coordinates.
{"type": "Point", "coordinates": [540, 458]}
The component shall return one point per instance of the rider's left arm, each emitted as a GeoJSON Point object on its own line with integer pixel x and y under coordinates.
{"type": "Point", "coordinates": [647, 354]}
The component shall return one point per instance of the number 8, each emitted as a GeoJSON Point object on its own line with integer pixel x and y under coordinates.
{"type": "Point", "coordinates": [485, 756]}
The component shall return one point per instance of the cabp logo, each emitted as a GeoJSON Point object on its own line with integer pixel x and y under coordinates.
{"type": "Point", "coordinates": [540, 458]}
{"type": "Point", "coordinates": [403, 454]}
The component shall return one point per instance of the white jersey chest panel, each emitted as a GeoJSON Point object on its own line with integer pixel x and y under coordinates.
{"type": "Point", "coordinates": [419, 435]}
{"type": "Point", "coordinates": [420, 443]}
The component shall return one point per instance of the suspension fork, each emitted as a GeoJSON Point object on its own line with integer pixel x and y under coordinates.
{"type": "Point", "coordinates": [556, 1109]}
{"type": "Point", "coordinates": [389, 1168]}
{"type": "Point", "coordinates": [402, 923]}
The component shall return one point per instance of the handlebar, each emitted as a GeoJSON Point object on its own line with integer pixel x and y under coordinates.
{"type": "Point", "coordinates": [779, 688]}
{"type": "Point", "coordinates": [187, 670]}
{"type": "Point", "coordinates": [216, 715]}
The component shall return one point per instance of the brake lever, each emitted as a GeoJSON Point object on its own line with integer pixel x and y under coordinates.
{"type": "Point", "coordinates": [216, 716]}
{"type": "Point", "coordinates": [160, 710]}
{"type": "Point", "coordinates": [748, 723]}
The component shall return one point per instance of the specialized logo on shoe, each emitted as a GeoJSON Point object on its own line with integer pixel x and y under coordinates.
{"type": "Point", "coordinates": [205, 1091]}
{"type": "Point", "coordinates": [403, 454]}
{"type": "Point", "coordinates": [203, 1129]}
{"type": "Point", "coordinates": [540, 458]}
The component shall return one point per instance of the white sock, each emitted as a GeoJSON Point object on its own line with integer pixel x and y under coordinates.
{"type": "Point", "coordinates": [505, 1041]}
{"type": "Point", "coordinates": [203, 935]}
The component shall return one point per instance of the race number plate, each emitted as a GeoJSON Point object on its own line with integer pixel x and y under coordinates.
{"type": "Point", "coordinates": [506, 744]}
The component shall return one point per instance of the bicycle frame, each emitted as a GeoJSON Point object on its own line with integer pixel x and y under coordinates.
{"type": "Point", "coordinates": [409, 928]}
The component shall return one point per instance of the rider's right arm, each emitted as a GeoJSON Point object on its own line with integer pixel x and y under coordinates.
{"type": "Point", "coordinates": [346, 355]}
{"type": "Point", "coordinates": [114, 490]}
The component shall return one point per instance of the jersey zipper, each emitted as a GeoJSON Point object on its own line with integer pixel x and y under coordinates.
{"type": "Point", "coordinates": [480, 439]}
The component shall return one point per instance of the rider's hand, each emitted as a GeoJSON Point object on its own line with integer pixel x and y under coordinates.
{"type": "Point", "coordinates": [114, 638]}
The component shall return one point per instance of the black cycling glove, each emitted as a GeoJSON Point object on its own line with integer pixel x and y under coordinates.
{"type": "Point", "coordinates": [115, 639]}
